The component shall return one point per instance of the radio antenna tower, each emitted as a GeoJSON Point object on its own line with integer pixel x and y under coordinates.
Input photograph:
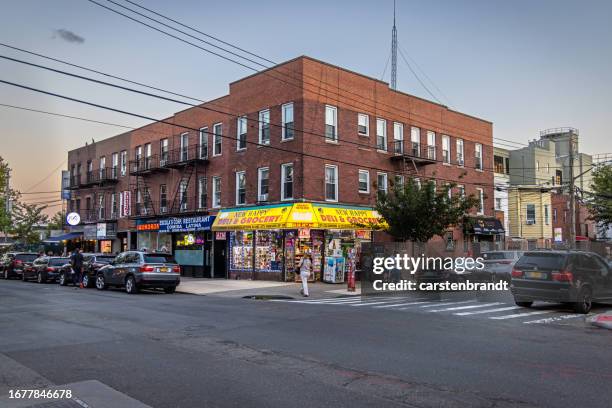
{"type": "Point", "coordinates": [394, 52]}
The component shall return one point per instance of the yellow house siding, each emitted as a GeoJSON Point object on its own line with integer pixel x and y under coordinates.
{"type": "Point", "coordinates": [518, 199]}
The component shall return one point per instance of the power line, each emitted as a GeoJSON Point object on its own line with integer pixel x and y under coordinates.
{"type": "Point", "coordinates": [418, 78]}
{"type": "Point", "coordinates": [47, 176]}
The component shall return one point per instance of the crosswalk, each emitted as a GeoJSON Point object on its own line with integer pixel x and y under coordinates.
{"type": "Point", "coordinates": [491, 310]}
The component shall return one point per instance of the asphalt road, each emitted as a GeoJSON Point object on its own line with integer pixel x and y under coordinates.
{"type": "Point", "coordinates": [212, 351]}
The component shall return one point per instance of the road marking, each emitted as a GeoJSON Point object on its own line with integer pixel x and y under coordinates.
{"type": "Point", "coordinates": [465, 307]}
{"type": "Point", "coordinates": [377, 303]}
{"type": "Point", "coordinates": [513, 316]}
{"type": "Point", "coordinates": [449, 303]}
{"type": "Point", "coordinates": [554, 319]}
{"type": "Point", "coordinates": [501, 309]}
{"type": "Point", "coordinates": [417, 302]}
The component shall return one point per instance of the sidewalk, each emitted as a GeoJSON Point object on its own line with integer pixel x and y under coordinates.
{"type": "Point", "coordinates": [242, 288]}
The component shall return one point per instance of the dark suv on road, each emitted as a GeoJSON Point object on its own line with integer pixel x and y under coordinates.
{"type": "Point", "coordinates": [12, 264]}
{"type": "Point", "coordinates": [91, 264]}
{"type": "Point", "coordinates": [574, 277]}
{"type": "Point", "coordinates": [45, 269]}
{"type": "Point", "coordinates": [137, 270]}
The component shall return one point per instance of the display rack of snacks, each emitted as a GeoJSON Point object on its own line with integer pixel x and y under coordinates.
{"type": "Point", "coordinates": [268, 251]}
{"type": "Point", "coordinates": [241, 250]}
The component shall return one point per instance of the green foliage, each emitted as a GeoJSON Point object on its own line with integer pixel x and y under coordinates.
{"type": "Point", "coordinates": [600, 199]}
{"type": "Point", "coordinates": [419, 213]}
{"type": "Point", "coordinates": [56, 222]}
{"type": "Point", "coordinates": [25, 218]}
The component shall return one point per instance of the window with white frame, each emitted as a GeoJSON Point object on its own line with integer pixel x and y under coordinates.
{"type": "Point", "coordinates": [531, 214]}
{"type": "Point", "coordinates": [138, 153]}
{"type": "Point", "coordinates": [202, 192]}
{"type": "Point", "coordinates": [240, 188]}
{"type": "Point", "coordinates": [183, 195]}
{"type": "Point", "coordinates": [114, 208]}
{"type": "Point", "coordinates": [431, 145]}
{"type": "Point", "coordinates": [331, 182]}
{"type": "Point", "coordinates": [546, 214]}
{"type": "Point", "coordinates": [461, 190]}
{"type": "Point", "coordinates": [480, 200]}
{"type": "Point", "coordinates": [263, 179]}
{"type": "Point", "coordinates": [449, 191]}
{"type": "Point", "coordinates": [241, 133]}
{"type": "Point", "coordinates": [115, 165]}
{"type": "Point", "coordinates": [381, 134]}
{"type": "Point", "coordinates": [398, 137]}
{"type": "Point", "coordinates": [287, 121]}
{"type": "Point", "coordinates": [415, 141]}
{"type": "Point", "coordinates": [216, 192]}
{"type": "Point", "coordinates": [399, 182]}
{"type": "Point", "coordinates": [460, 155]}
{"type": "Point", "coordinates": [203, 150]}
{"type": "Point", "coordinates": [123, 162]}
{"type": "Point", "coordinates": [417, 183]}
{"type": "Point", "coordinates": [184, 146]}
{"type": "Point", "coordinates": [163, 199]}
{"type": "Point", "coordinates": [101, 207]}
{"type": "Point", "coordinates": [382, 183]}
{"type": "Point", "coordinates": [363, 124]}
{"type": "Point", "coordinates": [264, 127]}
{"type": "Point", "coordinates": [331, 123]}
{"type": "Point", "coordinates": [102, 167]}
{"type": "Point", "coordinates": [478, 156]}
{"type": "Point", "coordinates": [364, 181]}
{"type": "Point", "coordinates": [148, 154]}
{"type": "Point", "coordinates": [446, 154]}
{"type": "Point", "coordinates": [217, 138]}
{"type": "Point", "coordinates": [163, 152]}
{"type": "Point", "coordinates": [287, 181]}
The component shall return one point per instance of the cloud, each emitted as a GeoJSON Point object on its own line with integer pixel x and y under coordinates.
{"type": "Point", "coordinates": [68, 36]}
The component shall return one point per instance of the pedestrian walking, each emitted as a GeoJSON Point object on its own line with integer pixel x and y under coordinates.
{"type": "Point", "coordinates": [305, 268]}
{"type": "Point", "coordinates": [77, 267]}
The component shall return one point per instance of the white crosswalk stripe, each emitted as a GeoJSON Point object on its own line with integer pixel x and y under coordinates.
{"type": "Point", "coordinates": [415, 302]}
{"type": "Point", "coordinates": [448, 309]}
{"type": "Point", "coordinates": [448, 303]}
{"type": "Point", "coordinates": [499, 309]}
{"type": "Point", "coordinates": [377, 303]}
{"type": "Point", "coordinates": [554, 319]}
{"type": "Point", "coordinates": [516, 315]}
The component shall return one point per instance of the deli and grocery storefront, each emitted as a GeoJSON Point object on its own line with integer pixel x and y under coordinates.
{"type": "Point", "coordinates": [189, 239]}
{"type": "Point", "coordinates": [268, 242]}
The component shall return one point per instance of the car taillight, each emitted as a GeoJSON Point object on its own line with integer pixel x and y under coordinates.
{"type": "Point", "coordinates": [563, 276]}
{"type": "Point", "coordinates": [517, 274]}
{"type": "Point", "coordinates": [50, 269]}
{"type": "Point", "coordinates": [146, 268]}
{"type": "Point", "coordinates": [176, 269]}
{"type": "Point", "coordinates": [18, 262]}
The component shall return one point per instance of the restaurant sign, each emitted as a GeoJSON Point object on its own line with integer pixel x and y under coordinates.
{"type": "Point", "coordinates": [186, 224]}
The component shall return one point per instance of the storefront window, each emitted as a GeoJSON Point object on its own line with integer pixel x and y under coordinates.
{"type": "Point", "coordinates": [269, 251]}
{"type": "Point", "coordinates": [241, 251]}
{"type": "Point", "coordinates": [153, 241]}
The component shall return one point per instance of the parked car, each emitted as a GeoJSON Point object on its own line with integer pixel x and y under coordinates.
{"type": "Point", "coordinates": [136, 270]}
{"type": "Point", "coordinates": [91, 264]}
{"type": "Point", "coordinates": [12, 264]}
{"type": "Point", "coordinates": [498, 264]}
{"type": "Point", "coordinates": [574, 277]}
{"type": "Point", "coordinates": [45, 269]}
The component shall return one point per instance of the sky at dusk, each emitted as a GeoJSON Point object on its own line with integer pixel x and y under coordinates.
{"type": "Point", "coordinates": [524, 65]}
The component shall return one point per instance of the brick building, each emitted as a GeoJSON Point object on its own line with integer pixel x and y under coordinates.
{"type": "Point", "coordinates": [303, 132]}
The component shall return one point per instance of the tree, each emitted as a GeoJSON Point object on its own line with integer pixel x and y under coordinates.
{"type": "Point", "coordinates": [600, 198]}
{"type": "Point", "coordinates": [56, 222]}
{"type": "Point", "coordinates": [25, 218]}
{"type": "Point", "coordinates": [419, 213]}
{"type": "Point", "coordinates": [5, 218]}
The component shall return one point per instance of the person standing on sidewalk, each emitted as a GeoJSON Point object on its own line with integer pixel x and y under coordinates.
{"type": "Point", "coordinates": [77, 266]}
{"type": "Point", "coordinates": [305, 267]}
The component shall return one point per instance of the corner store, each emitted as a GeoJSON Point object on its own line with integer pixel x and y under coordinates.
{"type": "Point", "coordinates": [267, 242]}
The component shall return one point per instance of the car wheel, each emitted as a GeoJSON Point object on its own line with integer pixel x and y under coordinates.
{"type": "Point", "coordinates": [101, 282]}
{"type": "Point", "coordinates": [130, 285]}
{"type": "Point", "coordinates": [170, 289]}
{"type": "Point", "coordinates": [62, 279]}
{"type": "Point", "coordinates": [584, 302]}
{"type": "Point", "coordinates": [523, 304]}
{"type": "Point", "coordinates": [39, 278]}
{"type": "Point", "coordinates": [86, 281]}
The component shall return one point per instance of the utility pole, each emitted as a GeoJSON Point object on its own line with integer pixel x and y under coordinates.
{"type": "Point", "coordinates": [7, 199]}
{"type": "Point", "coordinates": [394, 52]}
{"type": "Point", "coordinates": [572, 194]}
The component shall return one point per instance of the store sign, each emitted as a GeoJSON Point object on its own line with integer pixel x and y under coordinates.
{"type": "Point", "coordinates": [90, 231]}
{"type": "Point", "coordinates": [73, 218]}
{"type": "Point", "coordinates": [106, 230]}
{"type": "Point", "coordinates": [253, 218]}
{"type": "Point", "coordinates": [558, 234]}
{"type": "Point", "coordinates": [101, 230]}
{"type": "Point", "coordinates": [220, 235]}
{"type": "Point", "coordinates": [186, 224]}
{"type": "Point", "coordinates": [65, 185]}
{"type": "Point", "coordinates": [304, 233]}
{"type": "Point", "coordinates": [147, 225]}
{"type": "Point", "coordinates": [336, 217]}
{"type": "Point", "coordinates": [125, 203]}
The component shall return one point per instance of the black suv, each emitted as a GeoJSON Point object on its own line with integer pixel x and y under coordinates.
{"type": "Point", "coordinates": [574, 277]}
{"type": "Point", "coordinates": [91, 264]}
{"type": "Point", "coordinates": [45, 269]}
{"type": "Point", "coordinates": [12, 264]}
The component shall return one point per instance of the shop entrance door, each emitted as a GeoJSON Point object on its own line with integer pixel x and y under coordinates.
{"type": "Point", "coordinates": [219, 259]}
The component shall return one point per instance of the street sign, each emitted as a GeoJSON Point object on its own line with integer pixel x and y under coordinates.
{"type": "Point", "coordinates": [73, 218]}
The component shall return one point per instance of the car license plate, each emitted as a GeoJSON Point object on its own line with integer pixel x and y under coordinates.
{"type": "Point", "coordinates": [163, 269]}
{"type": "Point", "coordinates": [535, 275]}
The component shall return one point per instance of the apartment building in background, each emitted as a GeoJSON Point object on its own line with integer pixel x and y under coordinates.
{"type": "Point", "coordinates": [206, 182]}
{"type": "Point", "coordinates": [529, 214]}
{"type": "Point", "coordinates": [501, 167]}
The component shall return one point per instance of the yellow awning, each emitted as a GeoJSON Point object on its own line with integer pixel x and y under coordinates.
{"type": "Point", "coordinates": [298, 215]}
